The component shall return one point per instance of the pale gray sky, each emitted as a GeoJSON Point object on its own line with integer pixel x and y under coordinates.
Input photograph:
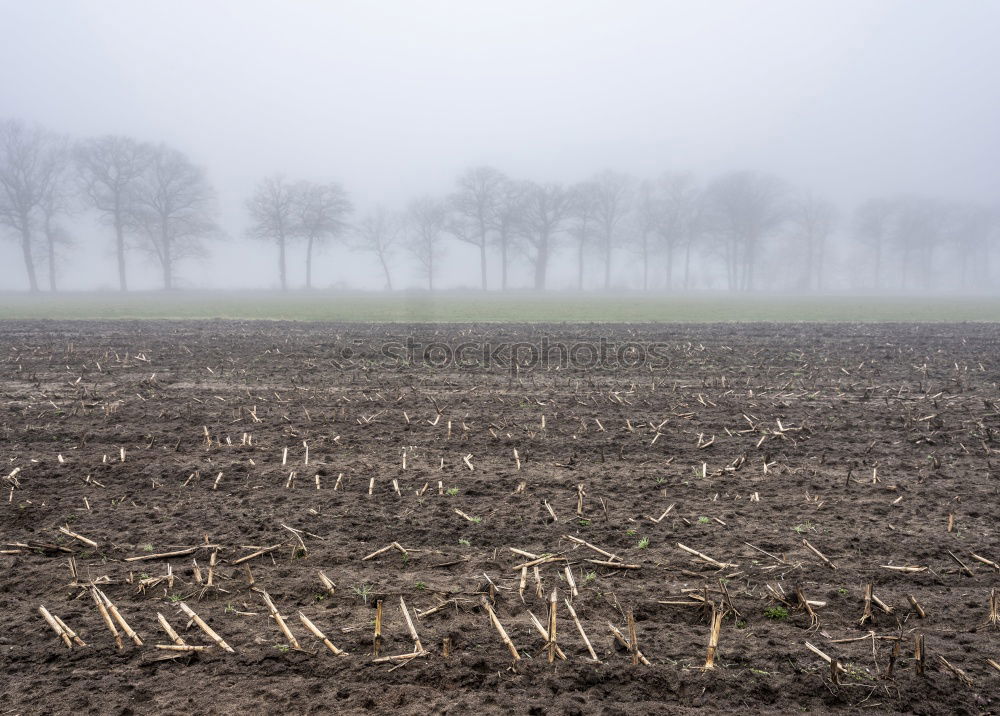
{"type": "Point", "coordinates": [394, 98]}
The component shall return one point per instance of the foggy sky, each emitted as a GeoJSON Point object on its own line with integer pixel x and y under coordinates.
{"type": "Point", "coordinates": [394, 99]}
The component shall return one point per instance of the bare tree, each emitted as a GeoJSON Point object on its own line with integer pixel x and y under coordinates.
{"type": "Point", "coordinates": [613, 198]}
{"type": "Point", "coordinates": [175, 207]}
{"type": "Point", "coordinates": [379, 232]}
{"type": "Point", "coordinates": [644, 223]}
{"type": "Point", "coordinates": [427, 220]}
{"type": "Point", "coordinates": [678, 219]}
{"type": "Point", "coordinates": [873, 223]}
{"type": "Point", "coordinates": [320, 213]}
{"type": "Point", "coordinates": [746, 208]}
{"type": "Point", "coordinates": [474, 205]}
{"type": "Point", "coordinates": [58, 200]}
{"type": "Point", "coordinates": [546, 209]}
{"type": "Point", "coordinates": [110, 168]}
{"type": "Point", "coordinates": [28, 166]}
{"type": "Point", "coordinates": [813, 220]}
{"type": "Point", "coordinates": [272, 209]}
{"type": "Point", "coordinates": [918, 230]}
{"type": "Point", "coordinates": [507, 222]}
{"type": "Point", "coordinates": [583, 228]}
{"type": "Point", "coordinates": [971, 230]}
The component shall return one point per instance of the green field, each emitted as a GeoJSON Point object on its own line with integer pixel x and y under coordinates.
{"type": "Point", "coordinates": [514, 307]}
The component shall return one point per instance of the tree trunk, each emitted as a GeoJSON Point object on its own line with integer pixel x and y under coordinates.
{"type": "Point", "coordinates": [281, 263]}
{"type": "Point", "coordinates": [168, 278]}
{"type": "Point", "coordinates": [51, 246]}
{"type": "Point", "coordinates": [166, 259]}
{"type": "Point", "coordinates": [430, 269]}
{"type": "Point", "coordinates": [29, 260]}
{"type": "Point", "coordinates": [737, 266]}
{"type": "Point", "coordinates": [579, 266]}
{"type": "Point", "coordinates": [385, 269]}
{"type": "Point", "coordinates": [483, 234]}
{"type": "Point", "coordinates": [736, 257]}
{"type": "Point", "coordinates": [482, 260]}
{"type": "Point", "coordinates": [748, 262]}
{"type": "Point", "coordinates": [309, 262]}
{"type": "Point", "coordinates": [645, 264]}
{"type": "Point", "coordinates": [731, 265]}
{"type": "Point", "coordinates": [670, 267]}
{"type": "Point", "coordinates": [687, 265]}
{"type": "Point", "coordinates": [607, 262]}
{"type": "Point", "coordinates": [120, 250]}
{"type": "Point", "coordinates": [503, 261]}
{"type": "Point", "coordinates": [541, 262]}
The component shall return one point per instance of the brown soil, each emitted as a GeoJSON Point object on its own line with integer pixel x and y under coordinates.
{"type": "Point", "coordinates": [823, 407]}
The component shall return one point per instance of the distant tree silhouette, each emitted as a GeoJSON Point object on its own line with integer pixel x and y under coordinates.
{"type": "Point", "coordinates": [678, 219]}
{"type": "Point", "coordinates": [427, 219]}
{"type": "Point", "coordinates": [58, 201]}
{"type": "Point", "coordinates": [873, 225]}
{"type": "Point", "coordinates": [272, 210]}
{"type": "Point", "coordinates": [546, 209]}
{"type": "Point", "coordinates": [812, 221]}
{"type": "Point", "coordinates": [583, 222]}
{"type": "Point", "coordinates": [29, 164]}
{"type": "Point", "coordinates": [109, 169]}
{"type": "Point", "coordinates": [507, 223]}
{"type": "Point", "coordinates": [320, 213]}
{"type": "Point", "coordinates": [474, 206]}
{"type": "Point", "coordinates": [645, 222]}
{"type": "Point", "coordinates": [175, 208]}
{"type": "Point", "coordinates": [379, 232]}
{"type": "Point", "coordinates": [971, 230]}
{"type": "Point", "coordinates": [612, 204]}
{"type": "Point", "coordinates": [745, 209]}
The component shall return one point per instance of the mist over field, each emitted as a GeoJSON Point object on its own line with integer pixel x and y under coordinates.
{"type": "Point", "coordinates": [500, 356]}
{"type": "Point", "coordinates": [727, 146]}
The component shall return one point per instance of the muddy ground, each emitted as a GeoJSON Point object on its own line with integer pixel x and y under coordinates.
{"type": "Point", "coordinates": [877, 444]}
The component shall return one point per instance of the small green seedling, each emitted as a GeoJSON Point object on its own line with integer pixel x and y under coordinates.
{"type": "Point", "coordinates": [364, 591]}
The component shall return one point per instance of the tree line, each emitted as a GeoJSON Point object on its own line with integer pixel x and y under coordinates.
{"type": "Point", "coordinates": [152, 198]}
